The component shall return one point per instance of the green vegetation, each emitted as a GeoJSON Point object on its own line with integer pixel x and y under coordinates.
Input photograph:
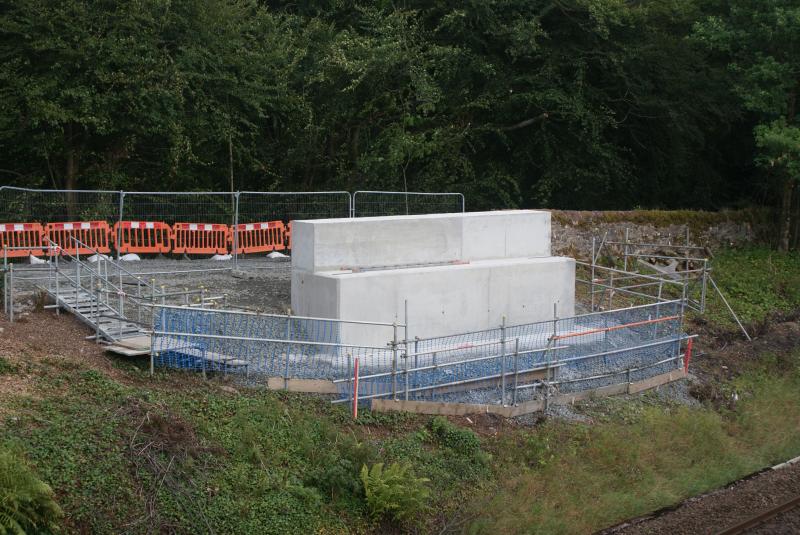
{"type": "Point", "coordinates": [577, 478]}
{"type": "Point", "coordinates": [583, 104]}
{"type": "Point", "coordinates": [758, 282]}
{"type": "Point", "coordinates": [26, 504]}
{"type": "Point", "coordinates": [394, 491]}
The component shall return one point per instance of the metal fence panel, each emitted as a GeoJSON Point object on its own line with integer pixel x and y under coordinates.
{"type": "Point", "coordinates": [508, 363]}
{"type": "Point", "coordinates": [179, 207]}
{"type": "Point", "coordinates": [386, 203]}
{"type": "Point", "coordinates": [257, 206]}
{"type": "Point", "coordinates": [23, 205]}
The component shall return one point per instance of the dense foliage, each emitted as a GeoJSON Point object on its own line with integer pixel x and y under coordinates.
{"type": "Point", "coordinates": [565, 103]}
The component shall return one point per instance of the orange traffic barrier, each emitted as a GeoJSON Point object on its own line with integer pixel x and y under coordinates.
{"type": "Point", "coordinates": [26, 235]}
{"type": "Point", "coordinates": [289, 235]}
{"type": "Point", "coordinates": [259, 237]}
{"type": "Point", "coordinates": [92, 234]}
{"type": "Point", "coordinates": [142, 237]}
{"type": "Point", "coordinates": [200, 238]}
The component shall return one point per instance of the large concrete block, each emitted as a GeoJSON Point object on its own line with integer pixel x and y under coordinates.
{"type": "Point", "coordinates": [442, 300]}
{"type": "Point", "coordinates": [370, 242]}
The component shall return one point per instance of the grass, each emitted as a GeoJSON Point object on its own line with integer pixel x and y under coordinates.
{"type": "Point", "coordinates": [568, 478]}
{"type": "Point", "coordinates": [758, 282]}
{"type": "Point", "coordinates": [123, 458]}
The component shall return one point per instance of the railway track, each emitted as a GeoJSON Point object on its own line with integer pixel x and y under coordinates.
{"type": "Point", "coordinates": [761, 517]}
{"type": "Point", "coordinates": [673, 519]}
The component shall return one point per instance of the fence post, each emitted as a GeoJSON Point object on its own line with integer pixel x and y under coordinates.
{"type": "Point", "coordinates": [503, 360]}
{"type": "Point", "coordinates": [394, 361]}
{"type": "Point", "coordinates": [236, 230]}
{"type": "Point", "coordinates": [58, 306]}
{"type": "Point", "coordinates": [625, 254]}
{"type": "Point", "coordinates": [11, 292]}
{"type": "Point", "coordinates": [288, 350]}
{"type": "Point", "coordinates": [516, 371]}
{"type": "Point", "coordinates": [405, 350]}
{"type": "Point", "coordinates": [591, 278]}
{"type": "Point", "coordinates": [704, 287]}
{"type": "Point", "coordinates": [119, 220]}
{"type": "Point", "coordinates": [355, 392]}
{"type": "Point", "coordinates": [611, 290]}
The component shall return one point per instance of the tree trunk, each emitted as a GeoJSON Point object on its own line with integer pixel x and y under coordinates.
{"type": "Point", "coordinates": [786, 214]}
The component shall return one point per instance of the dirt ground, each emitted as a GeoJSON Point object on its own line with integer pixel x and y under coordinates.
{"type": "Point", "coordinates": [724, 508]}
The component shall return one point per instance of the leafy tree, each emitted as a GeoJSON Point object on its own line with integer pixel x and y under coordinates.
{"type": "Point", "coordinates": [761, 41]}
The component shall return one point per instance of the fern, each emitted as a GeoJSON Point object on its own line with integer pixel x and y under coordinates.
{"type": "Point", "coordinates": [394, 491]}
{"type": "Point", "coordinates": [27, 504]}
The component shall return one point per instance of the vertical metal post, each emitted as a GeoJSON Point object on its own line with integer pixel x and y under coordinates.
{"type": "Point", "coordinates": [97, 315]}
{"type": "Point", "coordinates": [549, 358]}
{"type": "Point", "coordinates": [626, 248]}
{"type": "Point", "coordinates": [11, 292]}
{"type": "Point", "coordinates": [687, 252]}
{"type": "Point", "coordinates": [704, 286]}
{"type": "Point", "coordinates": [121, 216]}
{"type": "Point", "coordinates": [288, 350]}
{"type": "Point", "coordinates": [352, 377]}
{"type": "Point", "coordinates": [355, 392]}
{"type": "Point", "coordinates": [5, 279]}
{"type": "Point", "coordinates": [405, 350]}
{"type": "Point", "coordinates": [152, 354]}
{"type": "Point", "coordinates": [236, 230]}
{"type": "Point", "coordinates": [394, 360]}
{"type": "Point", "coordinates": [58, 305]}
{"type": "Point", "coordinates": [185, 296]}
{"type": "Point", "coordinates": [610, 290]}
{"type": "Point", "coordinates": [120, 299]}
{"type": "Point", "coordinates": [516, 371]}
{"type": "Point", "coordinates": [77, 274]}
{"type": "Point", "coordinates": [503, 360]}
{"type": "Point", "coordinates": [658, 307]}
{"type": "Point", "coordinates": [416, 356]}
{"type": "Point", "coordinates": [591, 277]}
{"type": "Point", "coordinates": [139, 299]}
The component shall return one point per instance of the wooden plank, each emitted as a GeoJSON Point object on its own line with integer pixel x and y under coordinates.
{"type": "Point", "coordinates": [440, 408]}
{"type": "Point", "coordinates": [314, 386]}
{"type": "Point", "coordinates": [136, 342]}
{"type": "Point", "coordinates": [657, 380]}
{"type": "Point", "coordinates": [462, 409]}
{"type": "Point", "coordinates": [126, 351]}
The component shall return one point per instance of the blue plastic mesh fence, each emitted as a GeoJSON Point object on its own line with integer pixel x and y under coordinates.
{"type": "Point", "coordinates": [518, 362]}
{"type": "Point", "coordinates": [258, 345]}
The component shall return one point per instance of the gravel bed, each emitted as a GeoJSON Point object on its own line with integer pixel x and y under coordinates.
{"type": "Point", "coordinates": [723, 508]}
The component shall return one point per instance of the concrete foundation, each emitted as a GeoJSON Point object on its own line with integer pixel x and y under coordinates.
{"type": "Point", "coordinates": [457, 272]}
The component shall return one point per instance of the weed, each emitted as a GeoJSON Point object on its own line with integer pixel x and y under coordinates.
{"type": "Point", "coordinates": [27, 505]}
{"type": "Point", "coordinates": [394, 491]}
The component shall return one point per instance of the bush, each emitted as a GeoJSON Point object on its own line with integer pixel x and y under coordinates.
{"type": "Point", "coordinates": [26, 503]}
{"type": "Point", "coordinates": [394, 492]}
{"type": "Point", "coordinates": [458, 439]}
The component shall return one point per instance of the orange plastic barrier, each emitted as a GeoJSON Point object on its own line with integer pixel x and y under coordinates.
{"type": "Point", "coordinates": [27, 235]}
{"type": "Point", "coordinates": [93, 234]}
{"type": "Point", "coordinates": [260, 237]}
{"type": "Point", "coordinates": [200, 238]}
{"type": "Point", "coordinates": [289, 235]}
{"type": "Point", "coordinates": [142, 237]}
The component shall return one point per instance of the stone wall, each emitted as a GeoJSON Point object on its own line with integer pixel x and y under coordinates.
{"type": "Point", "coordinates": [572, 231]}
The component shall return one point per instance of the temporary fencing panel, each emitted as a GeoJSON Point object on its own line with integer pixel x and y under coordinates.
{"type": "Point", "coordinates": [387, 203]}
{"type": "Point", "coordinates": [142, 237]}
{"type": "Point", "coordinates": [27, 235]}
{"type": "Point", "coordinates": [260, 237]}
{"type": "Point", "coordinates": [200, 238]}
{"type": "Point", "coordinates": [92, 234]}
